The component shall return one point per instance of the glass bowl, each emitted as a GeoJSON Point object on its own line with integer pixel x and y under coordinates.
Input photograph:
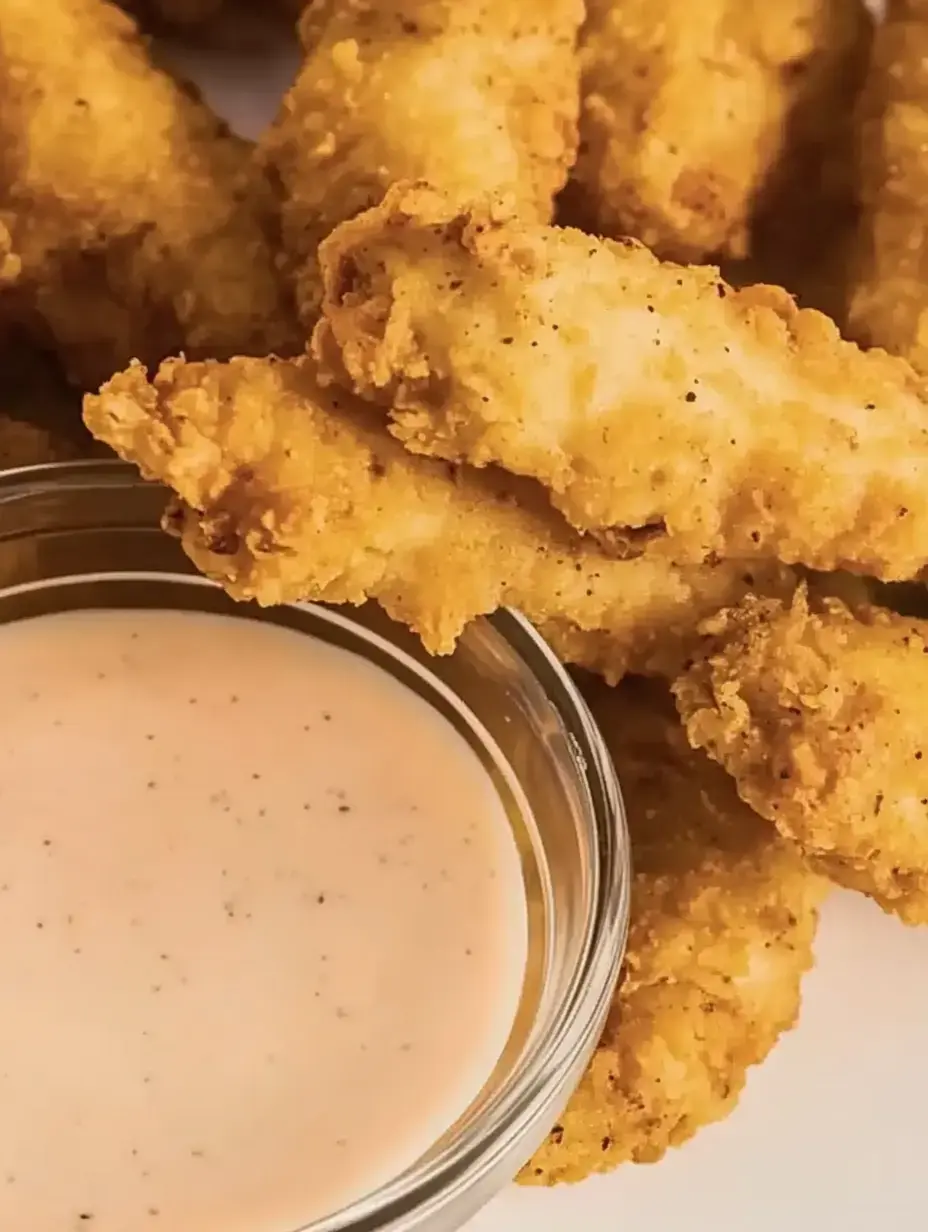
{"type": "Point", "coordinates": [87, 534]}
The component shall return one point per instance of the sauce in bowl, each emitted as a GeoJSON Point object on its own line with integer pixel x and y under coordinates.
{"type": "Point", "coordinates": [262, 924]}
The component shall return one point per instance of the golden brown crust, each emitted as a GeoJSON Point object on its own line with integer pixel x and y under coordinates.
{"type": "Point", "coordinates": [723, 919]}
{"type": "Point", "coordinates": [478, 96]}
{"type": "Point", "coordinates": [642, 394]}
{"type": "Point", "coordinates": [818, 714]}
{"type": "Point", "coordinates": [693, 111]}
{"type": "Point", "coordinates": [291, 491]}
{"type": "Point", "coordinates": [141, 224]}
{"type": "Point", "coordinates": [10, 263]}
{"type": "Point", "coordinates": [672, 613]}
{"type": "Point", "coordinates": [888, 299]}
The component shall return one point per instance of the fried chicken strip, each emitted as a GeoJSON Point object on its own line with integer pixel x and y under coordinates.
{"type": "Point", "coordinates": [611, 652]}
{"type": "Point", "coordinates": [888, 297]}
{"type": "Point", "coordinates": [723, 918]}
{"type": "Point", "coordinates": [642, 395]}
{"type": "Point", "coordinates": [477, 96]}
{"type": "Point", "coordinates": [290, 491]}
{"type": "Point", "coordinates": [818, 714]}
{"type": "Point", "coordinates": [140, 225]}
{"type": "Point", "coordinates": [694, 112]}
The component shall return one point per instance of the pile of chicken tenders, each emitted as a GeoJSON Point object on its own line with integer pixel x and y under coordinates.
{"type": "Point", "coordinates": [517, 302]}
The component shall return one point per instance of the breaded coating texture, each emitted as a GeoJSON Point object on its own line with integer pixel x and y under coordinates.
{"type": "Point", "coordinates": [673, 613]}
{"type": "Point", "coordinates": [289, 491]}
{"type": "Point", "coordinates": [477, 96]}
{"type": "Point", "coordinates": [819, 716]}
{"type": "Point", "coordinates": [724, 914]}
{"type": "Point", "coordinates": [141, 225]}
{"type": "Point", "coordinates": [888, 299]}
{"type": "Point", "coordinates": [693, 110]}
{"type": "Point", "coordinates": [643, 395]}
{"type": "Point", "coordinates": [10, 264]}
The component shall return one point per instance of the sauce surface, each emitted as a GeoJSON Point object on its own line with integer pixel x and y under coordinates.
{"type": "Point", "coordinates": [262, 925]}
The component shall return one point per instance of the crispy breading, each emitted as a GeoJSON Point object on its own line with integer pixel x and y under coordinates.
{"type": "Point", "coordinates": [141, 224]}
{"type": "Point", "coordinates": [800, 240]}
{"type": "Point", "coordinates": [888, 295]}
{"type": "Point", "coordinates": [478, 96]}
{"type": "Point", "coordinates": [694, 112]}
{"type": "Point", "coordinates": [290, 491]}
{"type": "Point", "coordinates": [10, 264]}
{"type": "Point", "coordinates": [671, 613]}
{"type": "Point", "coordinates": [642, 394]}
{"type": "Point", "coordinates": [723, 919]}
{"type": "Point", "coordinates": [818, 714]}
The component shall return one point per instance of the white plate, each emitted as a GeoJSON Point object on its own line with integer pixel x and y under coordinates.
{"type": "Point", "coordinates": [830, 1131]}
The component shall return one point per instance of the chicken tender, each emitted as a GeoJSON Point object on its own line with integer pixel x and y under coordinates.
{"type": "Point", "coordinates": [723, 918]}
{"type": "Point", "coordinates": [818, 714]}
{"type": "Point", "coordinates": [694, 112]}
{"type": "Point", "coordinates": [139, 224]}
{"type": "Point", "coordinates": [289, 491]}
{"type": "Point", "coordinates": [672, 615]}
{"type": "Point", "coordinates": [643, 395]}
{"type": "Point", "coordinates": [478, 96]}
{"type": "Point", "coordinates": [888, 298]}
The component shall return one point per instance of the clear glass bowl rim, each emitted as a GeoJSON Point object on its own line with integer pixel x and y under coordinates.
{"type": "Point", "coordinates": [416, 1197]}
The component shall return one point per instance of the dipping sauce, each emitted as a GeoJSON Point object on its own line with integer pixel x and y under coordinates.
{"type": "Point", "coordinates": [262, 924]}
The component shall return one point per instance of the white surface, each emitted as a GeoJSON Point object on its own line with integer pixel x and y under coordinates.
{"type": "Point", "coordinates": [243, 88]}
{"type": "Point", "coordinates": [830, 1131]}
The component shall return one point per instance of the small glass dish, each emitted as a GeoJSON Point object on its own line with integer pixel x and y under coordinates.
{"type": "Point", "coordinates": [87, 534]}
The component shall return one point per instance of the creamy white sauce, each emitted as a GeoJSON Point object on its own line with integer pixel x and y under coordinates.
{"type": "Point", "coordinates": [262, 925]}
